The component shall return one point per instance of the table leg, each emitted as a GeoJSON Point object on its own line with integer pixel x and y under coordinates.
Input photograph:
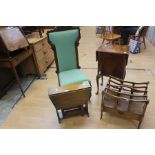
{"type": "Point", "coordinates": [58, 116]}
{"type": "Point", "coordinates": [82, 110]}
{"type": "Point", "coordinates": [17, 79]}
{"type": "Point", "coordinates": [97, 82]}
{"type": "Point", "coordinates": [87, 110]}
{"type": "Point", "coordinates": [63, 113]}
{"type": "Point", "coordinates": [119, 41]}
{"type": "Point", "coordinates": [102, 80]}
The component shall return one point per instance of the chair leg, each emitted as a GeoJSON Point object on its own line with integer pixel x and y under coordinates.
{"type": "Point", "coordinates": [144, 42]}
{"type": "Point", "coordinates": [103, 40]}
{"type": "Point", "coordinates": [119, 41]}
{"type": "Point", "coordinates": [139, 49]}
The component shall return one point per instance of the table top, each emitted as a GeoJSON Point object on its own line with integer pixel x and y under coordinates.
{"type": "Point", "coordinates": [16, 57]}
{"type": "Point", "coordinates": [34, 37]}
{"type": "Point", "coordinates": [116, 49]}
{"type": "Point", "coordinates": [67, 88]}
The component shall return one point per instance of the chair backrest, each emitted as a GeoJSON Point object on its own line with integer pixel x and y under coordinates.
{"type": "Point", "coordinates": [64, 44]}
{"type": "Point", "coordinates": [143, 31]}
{"type": "Point", "coordinates": [107, 30]}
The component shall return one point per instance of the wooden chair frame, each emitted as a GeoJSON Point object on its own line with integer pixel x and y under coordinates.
{"type": "Point", "coordinates": [141, 36]}
{"type": "Point", "coordinates": [110, 35]}
{"type": "Point", "coordinates": [55, 53]}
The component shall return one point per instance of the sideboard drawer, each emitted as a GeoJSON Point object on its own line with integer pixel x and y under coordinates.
{"type": "Point", "coordinates": [38, 46]}
{"type": "Point", "coordinates": [49, 58]}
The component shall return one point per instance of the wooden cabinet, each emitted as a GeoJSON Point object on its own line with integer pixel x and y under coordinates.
{"type": "Point", "coordinates": [43, 53]}
{"type": "Point", "coordinates": [32, 60]}
{"type": "Point", "coordinates": [6, 77]}
{"type": "Point", "coordinates": [13, 62]}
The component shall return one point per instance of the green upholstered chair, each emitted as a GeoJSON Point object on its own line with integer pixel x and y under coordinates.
{"type": "Point", "coordinates": [64, 44]}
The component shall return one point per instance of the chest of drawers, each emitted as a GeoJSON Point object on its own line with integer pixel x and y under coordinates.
{"type": "Point", "coordinates": [43, 53]}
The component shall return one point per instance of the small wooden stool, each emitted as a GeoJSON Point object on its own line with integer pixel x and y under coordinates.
{"type": "Point", "coordinates": [71, 99]}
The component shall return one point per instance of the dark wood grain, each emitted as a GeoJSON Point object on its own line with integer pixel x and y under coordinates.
{"type": "Point", "coordinates": [71, 97]}
{"type": "Point", "coordinates": [127, 99]}
{"type": "Point", "coordinates": [111, 61]}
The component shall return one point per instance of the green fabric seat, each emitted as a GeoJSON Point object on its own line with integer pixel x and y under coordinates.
{"type": "Point", "coordinates": [65, 48]}
{"type": "Point", "coordinates": [72, 76]}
